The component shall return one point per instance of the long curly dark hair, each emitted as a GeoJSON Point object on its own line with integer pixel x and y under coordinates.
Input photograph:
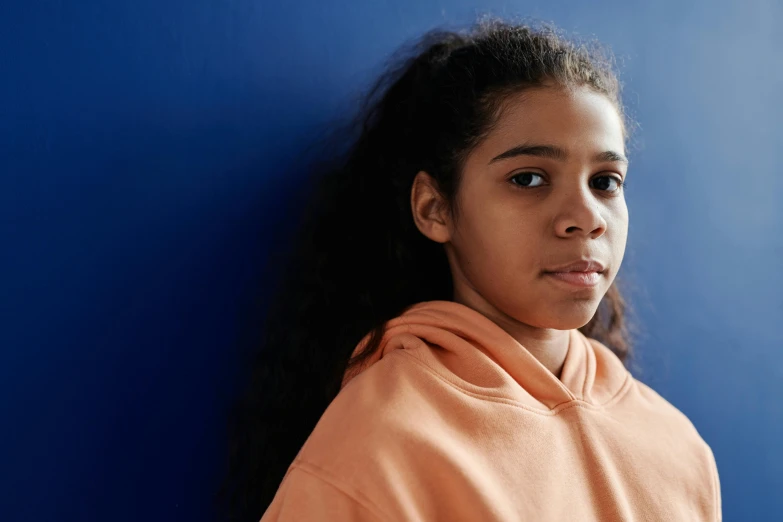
{"type": "Point", "coordinates": [358, 259]}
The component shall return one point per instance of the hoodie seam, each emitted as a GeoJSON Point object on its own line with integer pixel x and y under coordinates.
{"type": "Point", "coordinates": [321, 474]}
{"type": "Point", "coordinates": [622, 391]}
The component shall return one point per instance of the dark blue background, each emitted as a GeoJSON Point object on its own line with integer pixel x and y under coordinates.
{"type": "Point", "coordinates": [146, 149]}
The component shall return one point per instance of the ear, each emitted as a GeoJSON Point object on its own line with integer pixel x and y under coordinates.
{"type": "Point", "coordinates": [430, 210]}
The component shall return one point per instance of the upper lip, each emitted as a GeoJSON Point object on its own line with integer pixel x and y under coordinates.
{"type": "Point", "coordinates": [580, 265]}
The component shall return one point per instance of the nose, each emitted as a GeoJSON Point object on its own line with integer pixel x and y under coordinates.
{"type": "Point", "coordinates": [580, 214]}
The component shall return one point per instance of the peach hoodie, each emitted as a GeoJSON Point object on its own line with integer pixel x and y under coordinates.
{"type": "Point", "coordinates": [454, 420]}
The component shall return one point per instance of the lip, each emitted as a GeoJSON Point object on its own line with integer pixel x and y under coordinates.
{"type": "Point", "coordinates": [579, 279]}
{"type": "Point", "coordinates": [580, 265]}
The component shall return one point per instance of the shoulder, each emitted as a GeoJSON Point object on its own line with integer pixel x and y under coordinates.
{"type": "Point", "coordinates": [673, 430]}
{"type": "Point", "coordinates": [655, 404]}
{"type": "Point", "coordinates": [681, 443]}
{"type": "Point", "coordinates": [370, 433]}
{"type": "Point", "coordinates": [370, 413]}
{"type": "Point", "coordinates": [644, 401]}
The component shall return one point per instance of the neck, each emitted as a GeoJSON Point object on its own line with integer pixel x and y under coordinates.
{"type": "Point", "coordinates": [548, 345]}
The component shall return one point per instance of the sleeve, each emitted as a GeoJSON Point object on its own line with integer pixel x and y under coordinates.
{"type": "Point", "coordinates": [716, 487]}
{"type": "Point", "coordinates": [306, 496]}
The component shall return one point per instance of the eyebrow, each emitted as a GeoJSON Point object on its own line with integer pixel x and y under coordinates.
{"type": "Point", "coordinates": [554, 152]}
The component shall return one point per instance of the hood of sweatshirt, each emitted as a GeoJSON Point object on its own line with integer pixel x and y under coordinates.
{"type": "Point", "coordinates": [470, 351]}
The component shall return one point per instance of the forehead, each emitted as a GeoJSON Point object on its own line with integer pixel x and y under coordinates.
{"type": "Point", "coordinates": [577, 119]}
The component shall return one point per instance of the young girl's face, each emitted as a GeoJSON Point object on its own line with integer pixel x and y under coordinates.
{"type": "Point", "coordinates": [542, 190]}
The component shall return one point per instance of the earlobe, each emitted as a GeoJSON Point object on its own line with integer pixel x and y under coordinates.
{"type": "Point", "coordinates": [430, 211]}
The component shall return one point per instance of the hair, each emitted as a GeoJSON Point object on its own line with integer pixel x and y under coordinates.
{"type": "Point", "coordinates": [359, 260]}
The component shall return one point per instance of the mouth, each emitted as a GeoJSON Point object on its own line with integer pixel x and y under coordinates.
{"type": "Point", "coordinates": [577, 279]}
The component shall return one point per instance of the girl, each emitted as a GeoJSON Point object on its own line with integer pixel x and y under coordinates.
{"type": "Point", "coordinates": [450, 341]}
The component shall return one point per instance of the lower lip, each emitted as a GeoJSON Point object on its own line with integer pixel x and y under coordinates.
{"type": "Point", "coordinates": [581, 279]}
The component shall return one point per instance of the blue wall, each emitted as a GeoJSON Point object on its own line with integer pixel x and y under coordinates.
{"type": "Point", "coordinates": [145, 145]}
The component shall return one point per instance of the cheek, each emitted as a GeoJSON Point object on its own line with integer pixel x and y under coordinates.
{"type": "Point", "coordinates": [618, 233]}
{"type": "Point", "coordinates": [500, 236]}
{"type": "Point", "coordinates": [622, 221]}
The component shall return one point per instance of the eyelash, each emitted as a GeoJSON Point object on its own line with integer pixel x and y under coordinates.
{"type": "Point", "coordinates": [621, 185]}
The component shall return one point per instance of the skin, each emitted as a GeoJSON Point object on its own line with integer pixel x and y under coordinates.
{"type": "Point", "coordinates": [508, 228]}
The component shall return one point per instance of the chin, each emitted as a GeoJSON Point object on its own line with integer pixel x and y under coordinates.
{"type": "Point", "coordinates": [570, 317]}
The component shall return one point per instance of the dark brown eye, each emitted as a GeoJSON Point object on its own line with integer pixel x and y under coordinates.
{"type": "Point", "coordinates": [609, 183]}
{"type": "Point", "coordinates": [525, 179]}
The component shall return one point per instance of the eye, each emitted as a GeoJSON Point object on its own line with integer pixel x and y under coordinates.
{"type": "Point", "coordinates": [525, 179]}
{"type": "Point", "coordinates": [605, 183]}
